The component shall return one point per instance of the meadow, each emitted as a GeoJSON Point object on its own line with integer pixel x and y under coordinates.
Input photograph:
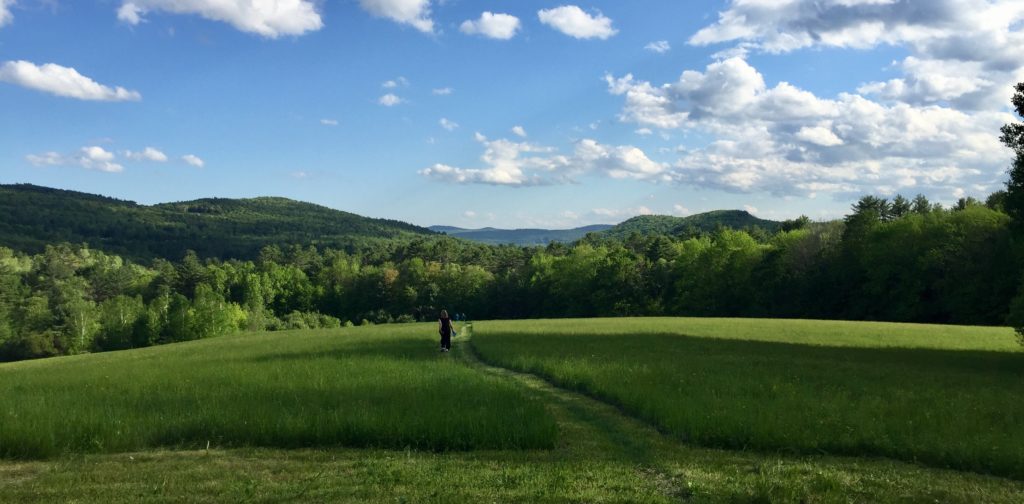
{"type": "Point", "coordinates": [385, 388]}
{"type": "Point", "coordinates": [945, 396]}
{"type": "Point", "coordinates": [377, 414]}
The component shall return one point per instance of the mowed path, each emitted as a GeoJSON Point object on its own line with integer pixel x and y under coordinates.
{"type": "Point", "coordinates": [686, 474]}
{"type": "Point", "coordinates": [603, 455]}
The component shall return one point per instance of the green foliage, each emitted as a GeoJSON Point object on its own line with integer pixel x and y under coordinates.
{"type": "Point", "coordinates": [893, 260]}
{"type": "Point", "coordinates": [859, 389]}
{"type": "Point", "coordinates": [37, 216]}
{"type": "Point", "coordinates": [692, 225]}
{"type": "Point", "coordinates": [521, 237]}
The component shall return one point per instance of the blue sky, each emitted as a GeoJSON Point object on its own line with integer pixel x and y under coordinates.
{"type": "Point", "coordinates": [406, 108]}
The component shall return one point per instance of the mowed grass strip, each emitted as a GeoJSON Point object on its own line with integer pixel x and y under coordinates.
{"type": "Point", "coordinates": [380, 387]}
{"type": "Point", "coordinates": [955, 404]}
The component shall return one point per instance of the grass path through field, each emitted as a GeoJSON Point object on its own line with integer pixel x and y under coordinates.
{"type": "Point", "coordinates": [601, 455]}
{"type": "Point", "coordinates": [682, 473]}
{"type": "Point", "coordinates": [592, 426]}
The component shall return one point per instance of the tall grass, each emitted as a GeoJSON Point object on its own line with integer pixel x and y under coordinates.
{"type": "Point", "coordinates": [947, 398]}
{"type": "Point", "coordinates": [385, 387]}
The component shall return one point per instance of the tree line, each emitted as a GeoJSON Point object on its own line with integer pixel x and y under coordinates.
{"type": "Point", "coordinates": [887, 260]}
{"type": "Point", "coordinates": [892, 260]}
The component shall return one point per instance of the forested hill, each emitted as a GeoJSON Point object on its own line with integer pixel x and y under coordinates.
{"type": "Point", "coordinates": [33, 217]}
{"type": "Point", "coordinates": [693, 224]}
{"type": "Point", "coordinates": [522, 237]}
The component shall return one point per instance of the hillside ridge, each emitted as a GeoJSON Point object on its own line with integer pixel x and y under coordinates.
{"type": "Point", "coordinates": [37, 216]}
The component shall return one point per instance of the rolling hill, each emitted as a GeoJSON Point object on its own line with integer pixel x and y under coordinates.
{"type": "Point", "coordinates": [523, 237]}
{"type": "Point", "coordinates": [218, 227]}
{"type": "Point", "coordinates": [699, 223]}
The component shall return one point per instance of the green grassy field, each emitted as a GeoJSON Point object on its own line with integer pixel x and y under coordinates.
{"type": "Point", "coordinates": [379, 387]}
{"type": "Point", "coordinates": [944, 396]}
{"type": "Point", "coordinates": [376, 414]}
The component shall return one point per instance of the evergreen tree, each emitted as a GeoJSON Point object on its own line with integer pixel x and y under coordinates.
{"type": "Point", "coordinates": [1013, 137]}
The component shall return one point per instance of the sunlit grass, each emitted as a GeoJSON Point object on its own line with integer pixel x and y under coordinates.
{"type": "Point", "coordinates": [382, 387]}
{"type": "Point", "coordinates": [942, 395]}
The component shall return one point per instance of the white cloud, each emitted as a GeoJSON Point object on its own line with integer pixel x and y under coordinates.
{"type": "Point", "coordinates": [5, 12]}
{"type": "Point", "coordinates": [193, 160]}
{"type": "Point", "coordinates": [62, 81]}
{"type": "Point", "coordinates": [90, 158]}
{"type": "Point", "coordinates": [389, 100]}
{"type": "Point", "coordinates": [750, 209]}
{"type": "Point", "coordinates": [507, 163]}
{"type": "Point", "coordinates": [622, 162]}
{"type": "Point", "coordinates": [819, 135]}
{"type": "Point", "coordinates": [399, 82]}
{"type": "Point", "coordinates": [965, 52]}
{"type": "Point", "coordinates": [519, 131]}
{"type": "Point", "coordinates": [329, 122]}
{"type": "Point", "coordinates": [147, 154]}
{"type": "Point", "coordinates": [680, 210]}
{"type": "Point", "coordinates": [644, 131]}
{"type": "Point", "coordinates": [268, 18]}
{"type": "Point", "coordinates": [491, 25]}
{"type": "Point", "coordinates": [448, 124]}
{"type": "Point", "coordinates": [445, 91]}
{"type": "Point", "coordinates": [575, 22]}
{"type": "Point", "coordinates": [660, 47]}
{"type": "Point", "coordinates": [524, 164]}
{"type": "Point", "coordinates": [787, 141]}
{"type": "Point", "coordinates": [415, 13]}
{"type": "Point", "coordinates": [469, 214]}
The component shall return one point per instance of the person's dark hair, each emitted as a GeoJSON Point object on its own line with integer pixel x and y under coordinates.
{"type": "Point", "coordinates": [444, 313]}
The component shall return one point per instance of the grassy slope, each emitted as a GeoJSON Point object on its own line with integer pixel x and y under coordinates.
{"type": "Point", "coordinates": [601, 456]}
{"type": "Point", "coordinates": [385, 387]}
{"type": "Point", "coordinates": [942, 395]}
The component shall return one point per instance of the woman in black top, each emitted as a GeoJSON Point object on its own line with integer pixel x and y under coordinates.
{"type": "Point", "coordinates": [444, 326]}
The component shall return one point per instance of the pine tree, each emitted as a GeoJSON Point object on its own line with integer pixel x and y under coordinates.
{"type": "Point", "coordinates": [1013, 137]}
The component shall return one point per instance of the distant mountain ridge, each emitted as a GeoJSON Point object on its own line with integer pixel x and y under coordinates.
{"type": "Point", "coordinates": [35, 216]}
{"type": "Point", "coordinates": [697, 223]}
{"type": "Point", "coordinates": [32, 217]}
{"type": "Point", "coordinates": [522, 237]}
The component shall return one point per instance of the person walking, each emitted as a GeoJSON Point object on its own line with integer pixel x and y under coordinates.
{"type": "Point", "coordinates": [445, 327]}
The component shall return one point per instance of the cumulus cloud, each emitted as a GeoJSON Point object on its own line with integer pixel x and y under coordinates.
{"type": "Point", "coordinates": [268, 18]}
{"type": "Point", "coordinates": [448, 124]}
{"type": "Point", "coordinates": [619, 162]}
{"type": "Point", "coordinates": [193, 160]}
{"type": "Point", "coordinates": [5, 12]}
{"type": "Point", "coordinates": [389, 100]}
{"type": "Point", "coordinates": [521, 164]}
{"type": "Point", "coordinates": [787, 141]}
{"type": "Point", "coordinates": [415, 13]}
{"type": "Point", "coordinates": [329, 122]}
{"type": "Point", "coordinates": [147, 154]}
{"type": "Point", "coordinates": [62, 81]}
{"type": "Point", "coordinates": [660, 47]}
{"type": "Point", "coordinates": [90, 158]}
{"type": "Point", "coordinates": [577, 23]}
{"type": "Point", "coordinates": [964, 52]}
{"type": "Point", "coordinates": [491, 25]}
{"type": "Point", "coordinates": [519, 131]}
